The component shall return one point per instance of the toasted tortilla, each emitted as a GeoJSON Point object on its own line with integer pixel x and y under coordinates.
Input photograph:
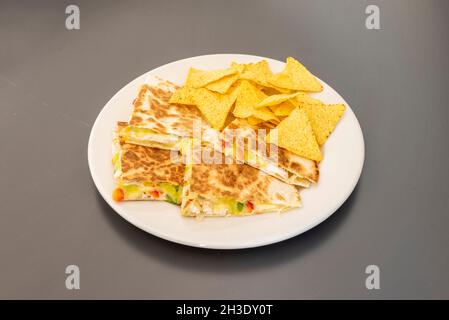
{"type": "Point", "coordinates": [290, 167]}
{"type": "Point", "coordinates": [145, 173]}
{"type": "Point", "coordinates": [152, 110]}
{"type": "Point", "coordinates": [157, 123]}
{"type": "Point", "coordinates": [234, 189]}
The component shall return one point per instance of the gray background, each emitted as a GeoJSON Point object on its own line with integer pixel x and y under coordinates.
{"type": "Point", "coordinates": [54, 82]}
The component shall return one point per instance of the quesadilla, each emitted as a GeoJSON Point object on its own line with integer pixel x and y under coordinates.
{"type": "Point", "coordinates": [234, 189]}
{"type": "Point", "coordinates": [145, 173]}
{"type": "Point", "coordinates": [288, 166]}
{"type": "Point", "coordinates": [157, 123]}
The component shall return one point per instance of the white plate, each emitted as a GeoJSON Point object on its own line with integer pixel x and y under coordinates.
{"type": "Point", "coordinates": [339, 172]}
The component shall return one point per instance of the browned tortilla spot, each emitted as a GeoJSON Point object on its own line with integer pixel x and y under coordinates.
{"type": "Point", "coordinates": [149, 164]}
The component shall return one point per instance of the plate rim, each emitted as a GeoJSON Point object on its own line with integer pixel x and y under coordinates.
{"type": "Point", "coordinates": [120, 211]}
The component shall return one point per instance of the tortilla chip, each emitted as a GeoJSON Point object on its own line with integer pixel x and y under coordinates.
{"type": "Point", "coordinates": [323, 118]}
{"type": "Point", "coordinates": [214, 106]}
{"type": "Point", "coordinates": [304, 98]}
{"type": "Point", "coordinates": [222, 86]}
{"type": "Point", "coordinates": [239, 67]}
{"type": "Point", "coordinates": [200, 78]}
{"type": "Point", "coordinates": [273, 90]}
{"type": "Point", "coordinates": [275, 121]}
{"type": "Point", "coordinates": [276, 99]}
{"type": "Point", "coordinates": [254, 121]}
{"type": "Point", "coordinates": [183, 95]}
{"type": "Point", "coordinates": [296, 135]}
{"type": "Point", "coordinates": [296, 77]}
{"type": "Point", "coordinates": [265, 114]}
{"type": "Point", "coordinates": [286, 107]}
{"type": "Point", "coordinates": [233, 92]}
{"type": "Point", "coordinates": [283, 109]}
{"type": "Point", "coordinates": [248, 96]}
{"type": "Point", "coordinates": [257, 72]}
{"type": "Point", "coordinates": [260, 73]}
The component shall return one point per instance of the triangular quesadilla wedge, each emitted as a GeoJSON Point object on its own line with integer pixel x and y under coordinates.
{"type": "Point", "coordinates": [145, 173]}
{"type": "Point", "coordinates": [157, 123]}
{"type": "Point", "coordinates": [234, 190]}
{"type": "Point", "coordinates": [288, 166]}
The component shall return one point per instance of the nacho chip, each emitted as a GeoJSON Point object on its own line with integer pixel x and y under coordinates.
{"type": "Point", "coordinates": [183, 95]}
{"type": "Point", "coordinates": [222, 86]}
{"type": "Point", "coordinates": [296, 135]}
{"type": "Point", "coordinates": [239, 67]}
{"type": "Point", "coordinates": [254, 121]}
{"type": "Point", "coordinates": [323, 119]}
{"type": "Point", "coordinates": [257, 72]}
{"type": "Point", "coordinates": [265, 114]}
{"type": "Point", "coordinates": [275, 122]}
{"type": "Point", "coordinates": [273, 90]}
{"type": "Point", "coordinates": [283, 109]}
{"type": "Point", "coordinates": [248, 96]}
{"type": "Point", "coordinates": [304, 98]}
{"type": "Point", "coordinates": [200, 78]}
{"type": "Point", "coordinates": [296, 77]}
{"type": "Point", "coordinates": [214, 106]}
{"type": "Point", "coordinates": [286, 107]}
{"type": "Point", "coordinates": [260, 73]}
{"type": "Point", "coordinates": [276, 99]}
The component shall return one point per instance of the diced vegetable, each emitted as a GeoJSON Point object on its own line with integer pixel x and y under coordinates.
{"type": "Point", "coordinates": [155, 194]}
{"type": "Point", "coordinates": [133, 191]}
{"type": "Point", "coordinates": [118, 194]}
{"type": "Point", "coordinates": [172, 192]}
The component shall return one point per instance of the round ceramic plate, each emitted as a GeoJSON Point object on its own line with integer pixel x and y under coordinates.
{"type": "Point", "coordinates": [339, 172]}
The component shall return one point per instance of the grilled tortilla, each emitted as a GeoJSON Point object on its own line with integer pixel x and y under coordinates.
{"type": "Point", "coordinates": [157, 123]}
{"type": "Point", "coordinates": [234, 189]}
{"type": "Point", "coordinates": [289, 168]}
{"type": "Point", "coordinates": [145, 173]}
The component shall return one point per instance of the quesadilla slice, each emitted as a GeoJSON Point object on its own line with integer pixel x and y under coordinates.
{"type": "Point", "coordinates": [235, 190]}
{"type": "Point", "coordinates": [145, 173]}
{"type": "Point", "coordinates": [288, 166]}
{"type": "Point", "coordinates": [157, 123]}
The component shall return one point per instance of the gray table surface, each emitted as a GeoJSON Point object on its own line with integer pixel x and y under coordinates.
{"type": "Point", "coordinates": [54, 82]}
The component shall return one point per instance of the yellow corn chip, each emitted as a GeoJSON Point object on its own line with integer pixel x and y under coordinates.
{"type": "Point", "coordinates": [247, 97]}
{"type": "Point", "coordinates": [283, 109]}
{"type": "Point", "coordinates": [254, 121]}
{"type": "Point", "coordinates": [214, 106]}
{"type": "Point", "coordinates": [265, 114]}
{"type": "Point", "coordinates": [239, 67]}
{"type": "Point", "coordinates": [323, 119]}
{"type": "Point", "coordinates": [260, 73]}
{"type": "Point", "coordinates": [222, 85]}
{"type": "Point", "coordinates": [295, 134]}
{"type": "Point", "coordinates": [286, 107]}
{"type": "Point", "coordinates": [183, 95]}
{"type": "Point", "coordinates": [233, 92]}
{"type": "Point", "coordinates": [296, 77]}
{"type": "Point", "coordinates": [200, 78]}
{"type": "Point", "coordinates": [276, 99]}
{"type": "Point", "coordinates": [304, 98]}
{"type": "Point", "coordinates": [257, 72]}
{"type": "Point", "coordinates": [275, 121]}
{"type": "Point", "coordinates": [273, 90]}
